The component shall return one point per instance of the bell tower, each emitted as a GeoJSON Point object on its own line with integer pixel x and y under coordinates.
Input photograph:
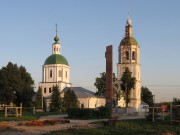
{"type": "Point", "coordinates": [129, 56]}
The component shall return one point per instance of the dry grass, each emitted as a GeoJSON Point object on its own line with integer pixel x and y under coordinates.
{"type": "Point", "coordinates": [5, 127]}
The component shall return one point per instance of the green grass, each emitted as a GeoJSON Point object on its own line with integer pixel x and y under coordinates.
{"type": "Point", "coordinates": [125, 127]}
{"type": "Point", "coordinates": [27, 116]}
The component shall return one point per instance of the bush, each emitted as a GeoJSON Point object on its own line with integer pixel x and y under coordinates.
{"type": "Point", "coordinates": [88, 113]}
{"type": "Point", "coordinates": [177, 113]}
{"type": "Point", "coordinates": [104, 112]}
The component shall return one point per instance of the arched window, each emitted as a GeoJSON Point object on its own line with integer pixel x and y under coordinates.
{"type": "Point", "coordinates": [54, 49]}
{"type": "Point", "coordinates": [50, 73]}
{"type": "Point", "coordinates": [66, 74]}
{"type": "Point", "coordinates": [60, 73]}
{"type": "Point", "coordinates": [133, 55]}
{"type": "Point", "coordinates": [127, 55]}
{"type": "Point", "coordinates": [50, 90]}
{"type": "Point", "coordinates": [57, 49]}
{"type": "Point", "coordinates": [44, 90]}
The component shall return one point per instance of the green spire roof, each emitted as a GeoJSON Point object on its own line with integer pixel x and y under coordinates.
{"type": "Point", "coordinates": [56, 59]}
{"type": "Point", "coordinates": [129, 41]}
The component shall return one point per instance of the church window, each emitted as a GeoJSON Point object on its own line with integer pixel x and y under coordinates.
{"type": "Point", "coordinates": [66, 74]}
{"type": "Point", "coordinates": [54, 49]}
{"type": "Point", "coordinates": [49, 90]}
{"type": "Point", "coordinates": [127, 55]}
{"type": "Point", "coordinates": [50, 73]}
{"type": "Point", "coordinates": [133, 55]}
{"type": "Point", "coordinates": [60, 73]}
{"type": "Point", "coordinates": [44, 90]}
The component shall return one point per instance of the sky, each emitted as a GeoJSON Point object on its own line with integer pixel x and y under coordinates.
{"type": "Point", "coordinates": [85, 28]}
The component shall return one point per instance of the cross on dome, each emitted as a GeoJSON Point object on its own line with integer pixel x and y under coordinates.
{"type": "Point", "coordinates": [56, 38]}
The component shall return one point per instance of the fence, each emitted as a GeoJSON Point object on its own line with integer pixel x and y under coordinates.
{"type": "Point", "coordinates": [13, 111]}
{"type": "Point", "coordinates": [2, 106]}
{"type": "Point", "coordinates": [155, 113]}
{"type": "Point", "coordinates": [174, 111]}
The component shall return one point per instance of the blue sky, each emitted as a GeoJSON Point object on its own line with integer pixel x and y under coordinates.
{"type": "Point", "coordinates": [85, 28]}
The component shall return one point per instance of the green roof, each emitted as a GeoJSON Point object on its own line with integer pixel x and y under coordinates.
{"type": "Point", "coordinates": [129, 41]}
{"type": "Point", "coordinates": [56, 59]}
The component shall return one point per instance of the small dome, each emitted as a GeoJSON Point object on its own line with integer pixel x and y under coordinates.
{"type": "Point", "coordinates": [56, 39]}
{"type": "Point", "coordinates": [56, 59]}
{"type": "Point", "coordinates": [128, 41]}
{"type": "Point", "coordinates": [129, 21]}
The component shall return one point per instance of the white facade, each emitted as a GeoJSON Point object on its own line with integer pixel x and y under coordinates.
{"type": "Point", "coordinates": [129, 56]}
{"type": "Point", "coordinates": [91, 102]}
{"type": "Point", "coordinates": [56, 73]}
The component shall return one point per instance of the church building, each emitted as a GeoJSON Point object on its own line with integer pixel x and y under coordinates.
{"type": "Point", "coordinates": [55, 71]}
{"type": "Point", "coordinates": [129, 56]}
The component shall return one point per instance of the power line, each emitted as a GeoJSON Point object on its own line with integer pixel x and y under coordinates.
{"type": "Point", "coordinates": [161, 85]}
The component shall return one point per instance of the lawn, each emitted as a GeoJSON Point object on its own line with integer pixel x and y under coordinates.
{"type": "Point", "coordinates": [27, 116]}
{"type": "Point", "coordinates": [125, 127]}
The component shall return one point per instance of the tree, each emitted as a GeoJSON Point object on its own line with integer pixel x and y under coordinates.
{"type": "Point", "coordinates": [16, 85]}
{"type": "Point", "coordinates": [70, 100]}
{"type": "Point", "coordinates": [127, 84]}
{"type": "Point", "coordinates": [56, 101]}
{"type": "Point", "coordinates": [176, 101]}
{"type": "Point", "coordinates": [100, 84]}
{"type": "Point", "coordinates": [146, 96]}
{"type": "Point", "coordinates": [38, 102]}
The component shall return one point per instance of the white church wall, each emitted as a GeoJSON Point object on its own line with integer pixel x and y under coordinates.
{"type": "Point", "coordinates": [91, 102]}
{"type": "Point", "coordinates": [54, 76]}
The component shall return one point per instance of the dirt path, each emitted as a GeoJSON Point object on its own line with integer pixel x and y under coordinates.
{"type": "Point", "coordinates": [12, 128]}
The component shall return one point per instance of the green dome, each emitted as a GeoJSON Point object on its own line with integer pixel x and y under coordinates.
{"type": "Point", "coordinates": [129, 41]}
{"type": "Point", "coordinates": [56, 59]}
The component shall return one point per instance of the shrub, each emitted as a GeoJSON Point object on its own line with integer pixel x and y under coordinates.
{"type": "Point", "coordinates": [104, 112]}
{"type": "Point", "coordinates": [177, 113]}
{"type": "Point", "coordinates": [88, 113]}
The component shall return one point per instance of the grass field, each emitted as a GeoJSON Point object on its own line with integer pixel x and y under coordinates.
{"type": "Point", "coordinates": [27, 116]}
{"type": "Point", "coordinates": [125, 127]}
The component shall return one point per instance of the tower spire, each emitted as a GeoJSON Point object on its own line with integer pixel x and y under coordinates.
{"type": "Point", "coordinates": [56, 29]}
{"type": "Point", "coordinates": [129, 20]}
{"type": "Point", "coordinates": [56, 47]}
{"type": "Point", "coordinates": [56, 38]}
{"type": "Point", "coordinates": [128, 32]}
